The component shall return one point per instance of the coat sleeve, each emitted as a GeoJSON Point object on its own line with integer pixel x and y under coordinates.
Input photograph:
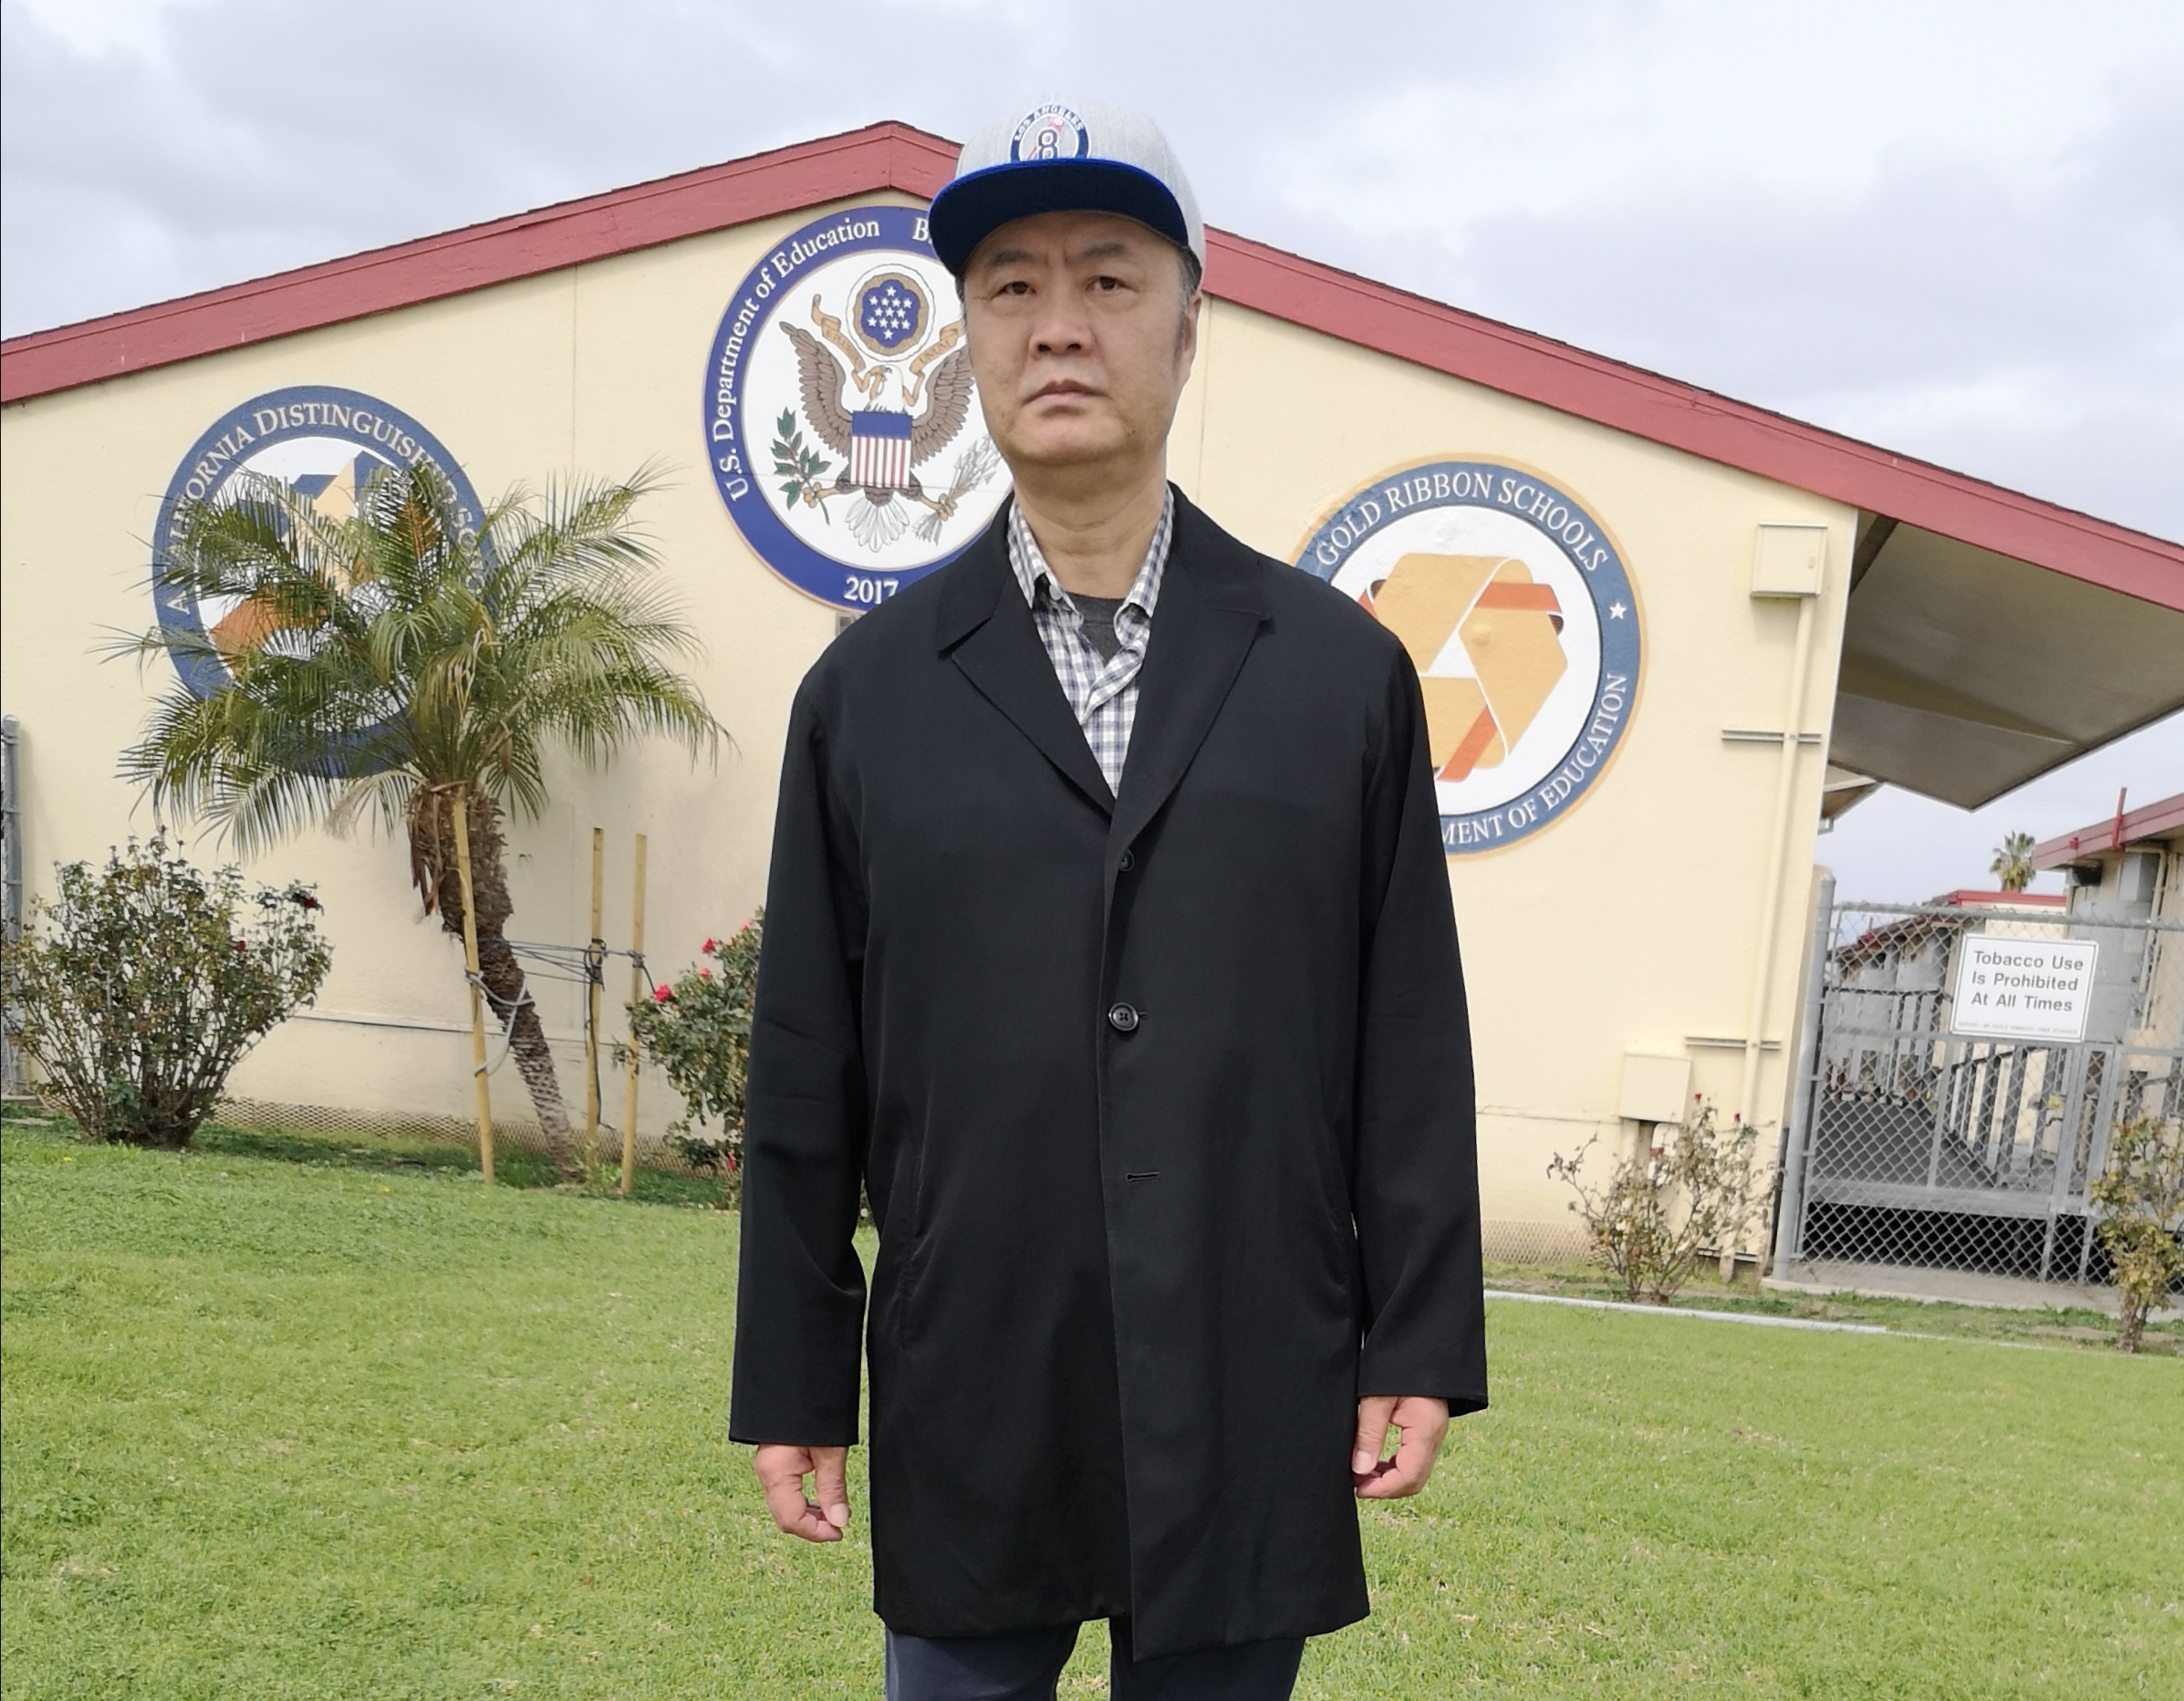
{"type": "Point", "coordinates": [800, 1291]}
{"type": "Point", "coordinates": [1415, 1179]}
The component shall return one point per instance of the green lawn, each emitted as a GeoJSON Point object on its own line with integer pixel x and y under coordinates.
{"type": "Point", "coordinates": [281, 1428]}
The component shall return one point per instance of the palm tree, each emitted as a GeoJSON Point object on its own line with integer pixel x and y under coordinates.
{"type": "Point", "coordinates": [390, 663]}
{"type": "Point", "coordinates": [2013, 862]}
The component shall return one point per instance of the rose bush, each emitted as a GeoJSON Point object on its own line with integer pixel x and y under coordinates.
{"type": "Point", "coordinates": [697, 1030]}
{"type": "Point", "coordinates": [2140, 1195]}
{"type": "Point", "coordinates": [139, 988]}
{"type": "Point", "coordinates": [1659, 1213]}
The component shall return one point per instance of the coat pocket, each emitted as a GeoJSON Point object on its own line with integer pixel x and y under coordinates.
{"type": "Point", "coordinates": [1341, 1223]}
{"type": "Point", "coordinates": [918, 1251]}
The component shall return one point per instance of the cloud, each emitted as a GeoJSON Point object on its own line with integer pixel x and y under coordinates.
{"type": "Point", "coordinates": [1958, 232]}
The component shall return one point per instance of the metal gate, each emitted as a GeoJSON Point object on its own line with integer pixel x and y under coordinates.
{"type": "Point", "coordinates": [1920, 1138]}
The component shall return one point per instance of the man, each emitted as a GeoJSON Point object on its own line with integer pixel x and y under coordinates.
{"type": "Point", "coordinates": [1110, 951]}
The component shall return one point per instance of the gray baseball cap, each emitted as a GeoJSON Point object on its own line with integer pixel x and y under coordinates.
{"type": "Point", "coordinates": [1065, 157]}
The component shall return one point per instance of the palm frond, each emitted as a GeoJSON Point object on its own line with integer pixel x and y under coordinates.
{"type": "Point", "coordinates": [410, 646]}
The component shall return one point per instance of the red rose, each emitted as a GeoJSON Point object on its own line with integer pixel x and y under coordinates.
{"type": "Point", "coordinates": [664, 995]}
{"type": "Point", "coordinates": [704, 974]}
{"type": "Point", "coordinates": [708, 946]}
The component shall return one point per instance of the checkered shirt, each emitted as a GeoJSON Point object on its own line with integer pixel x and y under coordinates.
{"type": "Point", "coordinates": [1103, 694]}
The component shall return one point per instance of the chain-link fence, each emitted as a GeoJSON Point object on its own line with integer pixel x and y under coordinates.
{"type": "Point", "coordinates": [1962, 1083]}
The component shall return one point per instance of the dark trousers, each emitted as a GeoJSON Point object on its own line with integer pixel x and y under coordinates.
{"type": "Point", "coordinates": [1024, 1668]}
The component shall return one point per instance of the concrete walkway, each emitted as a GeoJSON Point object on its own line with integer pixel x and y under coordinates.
{"type": "Point", "coordinates": [1759, 1318]}
{"type": "Point", "coordinates": [1948, 1287]}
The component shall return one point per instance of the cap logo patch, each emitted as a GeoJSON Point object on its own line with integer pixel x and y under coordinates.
{"type": "Point", "coordinates": [1050, 133]}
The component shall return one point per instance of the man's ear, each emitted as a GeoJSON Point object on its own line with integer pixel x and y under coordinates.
{"type": "Point", "coordinates": [1186, 335]}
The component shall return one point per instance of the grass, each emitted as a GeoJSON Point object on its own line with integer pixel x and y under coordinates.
{"type": "Point", "coordinates": [514, 1165]}
{"type": "Point", "coordinates": [271, 1428]}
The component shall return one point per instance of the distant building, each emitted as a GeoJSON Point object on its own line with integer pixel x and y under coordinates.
{"type": "Point", "coordinates": [2129, 869]}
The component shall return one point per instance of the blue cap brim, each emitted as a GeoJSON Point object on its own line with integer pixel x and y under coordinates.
{"type": "Point", "coordinates": [972, 208]}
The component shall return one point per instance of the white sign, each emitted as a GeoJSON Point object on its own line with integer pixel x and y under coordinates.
{"type": "Point", "coordinates": [2023, 988]}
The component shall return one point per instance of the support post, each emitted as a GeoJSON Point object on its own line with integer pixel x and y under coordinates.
{"type": "Point", "coordinates": [637, 990]}
{"type": "Point", "coordinates": [477, 1000]}
{"type": "Point", "coordinates": [595, 961]}
{"type": "Point", "coordinates": [1789, 1208]}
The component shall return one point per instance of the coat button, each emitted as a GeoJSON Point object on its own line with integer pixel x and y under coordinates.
{"type": "Point", "coordinates": [1125, 861]}
{"type": "Point", "coordinates": [1122, 1019]}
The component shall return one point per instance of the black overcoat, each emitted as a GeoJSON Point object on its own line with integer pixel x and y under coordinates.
{"type": "Point", "coordinates": [1163, 1102]}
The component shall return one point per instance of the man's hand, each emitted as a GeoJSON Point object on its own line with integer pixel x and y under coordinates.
{"type": "Point", "coordinates": [1423, 1421]}
{"type": "Point", "coordinates": [781, 1473]}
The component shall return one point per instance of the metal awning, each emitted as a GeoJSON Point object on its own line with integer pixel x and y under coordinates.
{"type": "Point", "coordinates": [1965, 671]}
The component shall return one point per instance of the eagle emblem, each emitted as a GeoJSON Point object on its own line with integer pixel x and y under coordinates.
{"type": "Point", "coordinates": [899, 396]}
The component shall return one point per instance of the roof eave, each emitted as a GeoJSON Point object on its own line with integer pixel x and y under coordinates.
{"type": "Point", "coordinates": [896, 156]}
{"type": "Point", "coordinates": [2163, 818]}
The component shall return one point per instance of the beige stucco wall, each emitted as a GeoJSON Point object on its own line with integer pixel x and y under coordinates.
{"type": "Point", "coordinates": [1633, 923]}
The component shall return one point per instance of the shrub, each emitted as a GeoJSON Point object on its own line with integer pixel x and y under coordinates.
{"type": "Point", "coordinates": [1658, 1213]}
{"type": "Point", "coordinates": [698, 1030]}
{"type": "Point", "coordinates": [146, 982]}
{"type": "Point", "coordinates": [2141, 1193]}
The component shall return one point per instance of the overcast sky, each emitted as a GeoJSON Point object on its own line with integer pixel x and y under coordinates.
{"type": "Point", "coordinates": [1954, 229]}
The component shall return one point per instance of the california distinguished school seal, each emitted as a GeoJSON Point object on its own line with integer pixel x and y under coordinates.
{"type": "Point", "coordinates": [323, 442]}
{"type": "Point", "coordinates": [1517, 610]}
{"type": "Point", "coordinates": [841, 422]}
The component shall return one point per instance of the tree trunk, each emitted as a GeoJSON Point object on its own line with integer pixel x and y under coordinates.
{"type": "Point", "coordinates": [433, 867]}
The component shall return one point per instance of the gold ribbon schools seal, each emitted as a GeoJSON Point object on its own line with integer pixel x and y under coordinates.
{"type": "Point", "coordinates": [1520, 620]}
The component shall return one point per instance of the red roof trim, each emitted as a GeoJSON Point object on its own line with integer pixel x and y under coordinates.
{"type": "Point", "coordinates": [886, 156]}
{"type": "Point", "coordinates": [1966, 899]}
{"type": "Point", "coordinates": [1696, 421]}
{"type": "Point", "coordinates": [2160, 819]}
{"type": "Point", "coordinates": [1337, 304]}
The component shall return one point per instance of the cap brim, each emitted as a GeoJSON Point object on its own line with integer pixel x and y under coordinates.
{"type": "Point", "coordinates": [973, 207]}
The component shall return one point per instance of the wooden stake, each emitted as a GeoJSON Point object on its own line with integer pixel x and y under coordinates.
{"type": "Point", "coordinates": [478, 1002]}
{"type": "Point", "coordinates": [638, 989]}
{"type": "Point", "coordinates": [594, 962]}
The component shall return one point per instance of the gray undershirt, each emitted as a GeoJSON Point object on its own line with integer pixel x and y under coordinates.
{"type": "Point", "coordinates": [1099, 613]}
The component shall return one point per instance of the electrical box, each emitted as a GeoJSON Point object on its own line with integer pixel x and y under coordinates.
{"type": "Point", "coordinates": [1790, 561]}
{"type": "Point", "coordinates": [1655, 1088]}
{"type": "Point", "coordinates": [2141, 878]}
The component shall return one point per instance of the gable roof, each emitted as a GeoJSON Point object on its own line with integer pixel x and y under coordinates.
{"type": "Point", "coordinates": [1251, 274]}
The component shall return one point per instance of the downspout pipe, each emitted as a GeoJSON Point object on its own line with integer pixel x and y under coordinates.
{"type": "Point", "coordinates": [1770, 925]}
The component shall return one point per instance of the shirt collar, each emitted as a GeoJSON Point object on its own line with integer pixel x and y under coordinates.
{"type": "Point", "coordinates": [1032, 571]}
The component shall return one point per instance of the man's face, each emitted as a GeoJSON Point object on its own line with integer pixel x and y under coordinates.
{"type": "Point", "coordinates": [1080, 338]}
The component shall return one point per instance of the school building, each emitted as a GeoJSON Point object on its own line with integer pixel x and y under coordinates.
{"type": "Point", "coordinates": [1663, 633]}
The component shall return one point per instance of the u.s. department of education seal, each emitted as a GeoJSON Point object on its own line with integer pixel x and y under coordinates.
{"type": "Point", "coordinates": [1518, 611]}
{"type": "Point", "coordinates": [324, 442]}
{"type": "Point", "coordinates": [841, 422]}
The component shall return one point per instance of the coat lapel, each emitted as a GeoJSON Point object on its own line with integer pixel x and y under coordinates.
{"type": "Point", "coordinates": [1210, 612]}
{"type": "Point", "coordinates": [986, 626]}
